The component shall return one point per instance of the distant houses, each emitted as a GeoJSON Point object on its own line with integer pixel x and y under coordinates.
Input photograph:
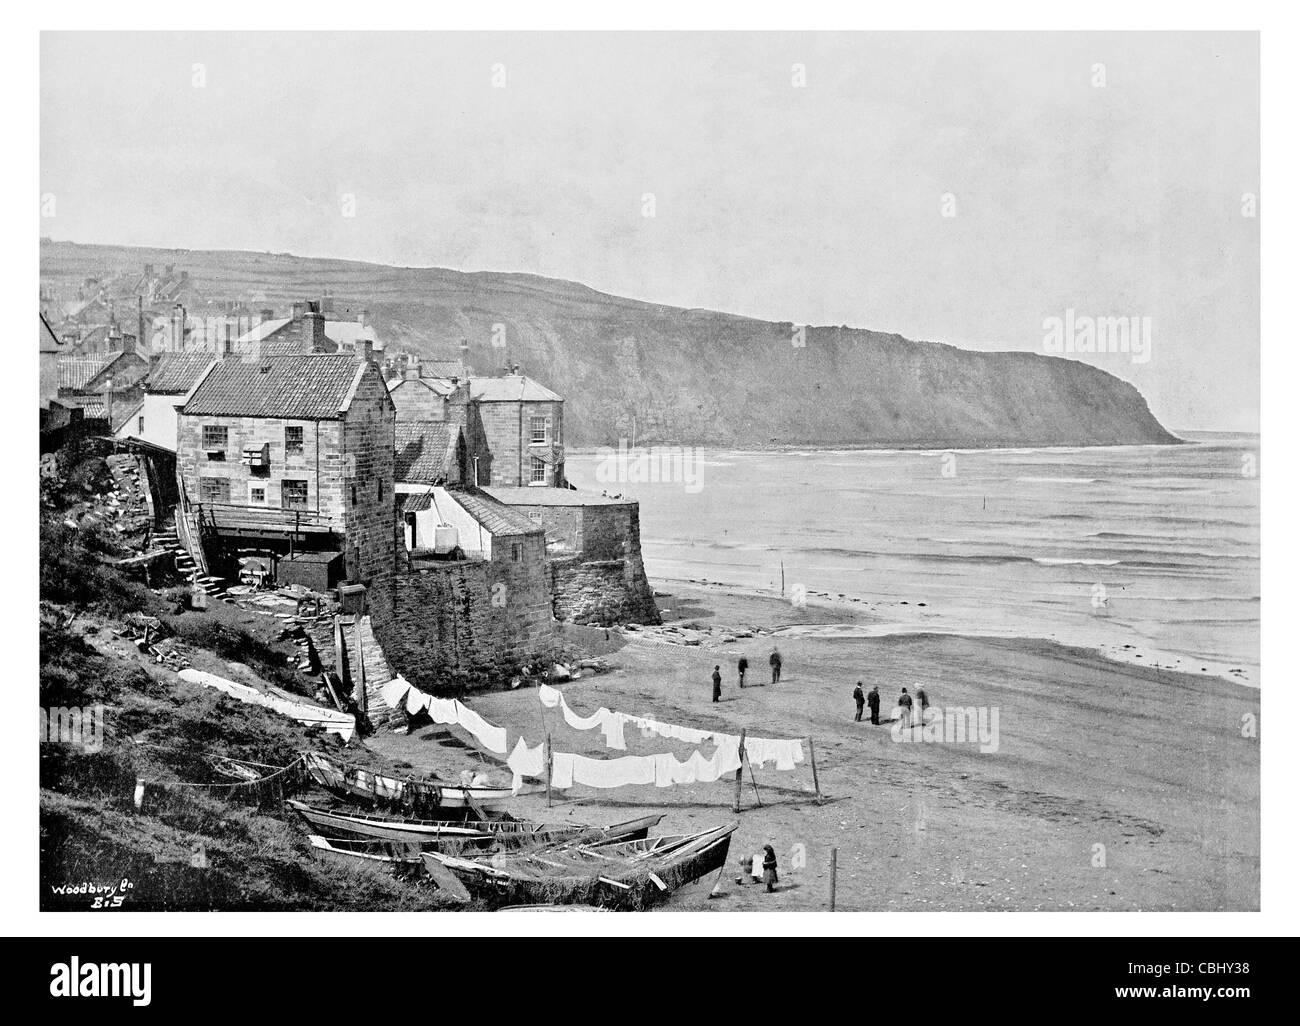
{"type": "Point", "coordinates": [438, 494]}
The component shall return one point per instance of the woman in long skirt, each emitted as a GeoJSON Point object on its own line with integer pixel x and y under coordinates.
{"type": "Point", "coordinates": [769, 868]}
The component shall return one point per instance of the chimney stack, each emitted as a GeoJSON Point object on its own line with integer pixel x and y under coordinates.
{"type": "Point", "coordinates": [299, 308]}
{"type": "Point", "coordinates": [313, 328]}
{"type": "Point", "coordinates": [365, 350]}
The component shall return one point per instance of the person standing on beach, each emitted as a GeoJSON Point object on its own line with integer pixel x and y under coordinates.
{"type": "Point", "coordinates": [873, 700]}
{"type": "Point", "coordinates": [769, 868]}
{"type": "Point", "coordinates": [905, 709]}
{"type": "Point", "coordinates": [717, 683]}
{"type": "Point", "coordinates": [923, 702]}
{"type": "Point", "coordinates": [741, 667]}
{"type": "Point", "coordinates": [860, 700]}
{"type": "Point", "coordinates": [775, 660]}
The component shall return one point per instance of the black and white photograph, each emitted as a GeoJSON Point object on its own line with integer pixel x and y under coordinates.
{"type": "Point", "coordinates": [765, 472]}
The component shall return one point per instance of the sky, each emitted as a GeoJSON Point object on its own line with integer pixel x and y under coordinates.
{"type": "Point", "coordinates": [960, 188]}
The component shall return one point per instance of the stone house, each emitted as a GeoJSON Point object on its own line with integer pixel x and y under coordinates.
{"type": "Point", "coordinates": [516, 433]}
{"type": "Point", "coordinates": [296, 452]}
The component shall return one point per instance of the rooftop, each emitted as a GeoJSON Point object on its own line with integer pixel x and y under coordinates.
{"type": "Point", "coordinates": [425, 451]}
{"type": "Point", "coordinates": [176, 373]}
{"type": "Point", "coordinates": [512, 388]}
{"type": "Point", "coordinates": [316, 387]}
{"type": "Point", "coordinates": [540, 496]}
{"type": "Point", "coordinates": [496, 517]}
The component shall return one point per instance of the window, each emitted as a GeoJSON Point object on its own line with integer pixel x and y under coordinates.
{"type": "Point", "coordinates": [354, 495]}
{"type": "Point", "coordinates": [379, 489]}
{"type": "Point", "coordinates": [139, 425]}
{"type": "Point", "coordinates": [258, 495]}
{"type": "Point", "coordinates": [537, 471]}
{"type": "Point", "coordinates": [515, 551]}
{"type": "Point", "coordinates": [293, 494]}
{"type": "Point", "coordinates": [535, 515]}
{"type": "Point", "coordinates": [214, 489]}
{"type": "Point", "coordinates": [215, 439]}
{"type": "Point", "coordinates": [293, 441]}
{"type": "Point", "coordinates": [538, 429]}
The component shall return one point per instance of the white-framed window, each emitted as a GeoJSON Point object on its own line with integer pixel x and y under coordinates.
{"type": "Point", "coordinates": [293, 440]}
{"type": "Point", "coordinates": [257, 495]}
{"type": "Point", "coordinates": [539, 430]}
{"type": "Point", "coordinates": [537, 471]}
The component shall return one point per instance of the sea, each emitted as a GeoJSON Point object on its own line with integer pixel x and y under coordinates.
{"type": "Point", "coordinates": [1148, 554]}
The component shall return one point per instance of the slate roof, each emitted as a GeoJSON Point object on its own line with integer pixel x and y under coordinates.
{"type": "Point", "coordinates": [77, 372]}
{"type": "Point", "coordinates": [175, 373]}
{"type": "Point", "coordinates": [511, 388]}
{"type": "Point", "coordinates": [296, 387]}
{"type": "Point", "coordinates": [495, 516]}
{"type": "Point", "coordinates": [425, 451]}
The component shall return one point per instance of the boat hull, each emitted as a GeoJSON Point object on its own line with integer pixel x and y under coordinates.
{"type": "Point", "coordinates": [638, 880]}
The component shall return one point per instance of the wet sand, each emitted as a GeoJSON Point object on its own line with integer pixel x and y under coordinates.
{"type": "Point", "coordinates": [1112, 787]}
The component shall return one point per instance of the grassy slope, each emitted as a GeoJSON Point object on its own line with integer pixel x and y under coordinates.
{"type": "Point", "coordinates": [687, 376]}
{"type": "Point", "coordinates": [160, 728]}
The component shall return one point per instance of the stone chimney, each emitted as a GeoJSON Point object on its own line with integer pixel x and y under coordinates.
{"type": "Point", "coordinates": [412, 371]}
{"type": "Point", "coordinates": [365, 350]}
{"type": "Point", "coordinates": [313, 327]}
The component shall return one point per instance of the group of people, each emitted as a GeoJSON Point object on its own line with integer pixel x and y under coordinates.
{"type": "Point", "coordinates": [742, 667]}
{"type": "Point", "coordinates": [905, 704]}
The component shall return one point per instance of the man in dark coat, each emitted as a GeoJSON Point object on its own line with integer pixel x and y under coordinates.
{"type": "Point", "coordinates": [717, 683]}
{"type": "Point", "coordinates": [922, 702]}
{"type": "Point", "coordinates": [873, 700]}
{"type": "Point", "coordinates": [860, 700]}
{"type": "Point", "coordinates": [741, 667]}
{"type": "Point", "coordinates": [775, 660]}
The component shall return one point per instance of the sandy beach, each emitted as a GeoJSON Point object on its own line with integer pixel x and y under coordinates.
{"type": "Point", "coordinates": [1112, 787]}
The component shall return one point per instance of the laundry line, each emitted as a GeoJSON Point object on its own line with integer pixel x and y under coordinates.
{"type": "Point", "coordinates": [400, 694]}
{"type": "Point", "coordinates": [786, 753]}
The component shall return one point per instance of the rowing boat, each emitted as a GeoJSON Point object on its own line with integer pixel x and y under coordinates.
{"type": "Point", "coordinates": [631, 875]}
{"type": "Point", "coordinates": [357, 784]}
{"type": "Point", "coordinates": [500, 833]}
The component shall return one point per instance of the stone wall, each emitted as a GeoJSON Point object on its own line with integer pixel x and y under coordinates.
{"type": "Point", "coordinates": [601, 591]}
{"type": "Point", "coordinates": [417, 401]}
{"type": "Point", "coordinates": [594, 548]}
{"type": "Point", "coordinates": [500, 437]}
{"type": "Point", "coordinates": [366, 477]}
{"type": "Point", "coordinates": [321, 440]}
{"type": "Point", "coordinates": [487, 618]}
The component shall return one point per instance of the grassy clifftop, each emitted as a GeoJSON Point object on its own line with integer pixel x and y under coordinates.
{"type": "Point", "coordinates": [685, 376]}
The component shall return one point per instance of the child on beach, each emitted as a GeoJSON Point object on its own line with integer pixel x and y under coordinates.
{"type": "Point", "coordinates": [717, 683]}
{"type": "Point", "coordinates": [775, 660]}
{"type": "Point", "coordinates": [769, 868]}
{"type": "Point", "coordinates": [860, 700]}
{"type": "Point", "coordinates": [741, 667]}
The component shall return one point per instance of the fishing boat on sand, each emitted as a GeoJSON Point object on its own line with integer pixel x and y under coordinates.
{"type": "Point", "coordinates": [356, 784]}
{"type": "Point", "coordinates": [627, 876]}
{"type": "Point", "coordinates": [503, 832]}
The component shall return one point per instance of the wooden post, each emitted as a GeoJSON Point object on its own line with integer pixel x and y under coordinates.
{"type": "Point", "coordinates": [812, 754]}
{"type": "Point", "coordinates": [834, 858]}
{"type": "Point", "coordinates": [548, 770]}
{"type": "Point", "coordinates": [361, 667]}
{"type": "Point", "coordinates": [740, 771]}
